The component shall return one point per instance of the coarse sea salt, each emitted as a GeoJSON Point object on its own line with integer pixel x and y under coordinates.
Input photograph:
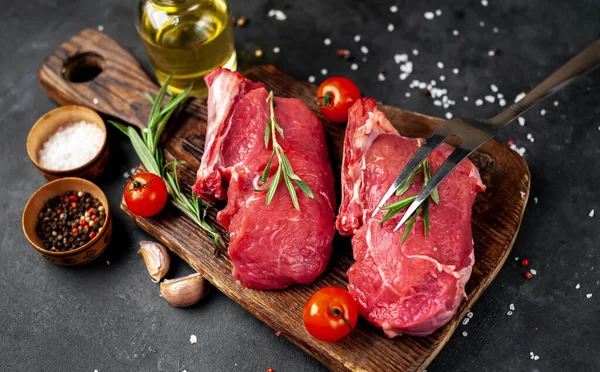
{"type": "Point", "coordinates": [323, 71]}
{"type": "Point", "coordinates": [390, 27]}
{"type": "Point", "coordinates": [465, 334]}
{"type": "Point", "coordinates": [589, 295]}
{"type": "Point", "coordinates": [578, 286]}
{"type": "Point", "coordinates": [521, 121]}
{"type": "Point", "coordinates": [364, 49]}
{"type": "Point", "coordinates": [428, 15]}
{"type": "Point", "coordinates": [357, 38]}
{"type": "Point", "coordinates": [278, 14]}
{"type": "Point", "coordinates": [393, 8]}
{"type": "Point", "coordinates": [354, 66]}
{"type": "Point", "coordinates": [591, 213]}
{"type": "Point", "coordinates": [71, 146]}
{"type": "Point", "coordinates": [193, 339]}
{"type": "Point", "coordinates": [327, 41]}
{"type": "Point", "coordinates": [311, 79]}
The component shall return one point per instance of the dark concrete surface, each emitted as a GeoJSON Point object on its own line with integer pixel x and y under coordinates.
{"type": "Point", "coordinates": [109, 317]}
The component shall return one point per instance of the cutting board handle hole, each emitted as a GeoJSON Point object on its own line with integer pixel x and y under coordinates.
{"type": "Point", "coordinates": [83, 67]}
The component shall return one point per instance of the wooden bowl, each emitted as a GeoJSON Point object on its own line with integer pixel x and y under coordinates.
{"type": "Point", "coordinates": [79, 256]}
{"type": "Point", "coordinates": [54, 120]}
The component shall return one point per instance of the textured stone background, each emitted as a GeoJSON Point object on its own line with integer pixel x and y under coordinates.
{"type": "Point", "coordinates": [110, 318]}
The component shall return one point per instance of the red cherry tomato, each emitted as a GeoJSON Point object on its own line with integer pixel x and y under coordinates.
{"type": "Point", "coordinates": [335, 96]}
{"type": "Point", "coordinates": [146, 194]}
{"type": "Point", "coordinates": [330, 314]}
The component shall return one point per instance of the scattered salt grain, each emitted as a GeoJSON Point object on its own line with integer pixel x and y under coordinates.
{"type": "Point", "coordinates": [393, 8]}
{"type": "Point", "coordinates": [71, 146]}
{"type": "Point", "coordinates": [484, 2]}
{"type": "Point", "coordinates": [403, 76]}
{"type": "Point", "coordinates": [437, 102]}
{"type": "Point", "coordinates": [543, 112]}
{"type": "Point", "coordinates": [323, 71]}
{"type": "Point", "coordinates": [364, 59]}
{"type": "Point", "coordinates": [448, 115]}
{"type": "Point", "coordinates": [511, 306]}
{"type": "Point", "coordinates": [354, 66]}
{"type": "Point", "coordinates": [500, 95]}
{"type": "Point", "coordinates": [276, 50]}
{"type": "Point", "coordinates": [442, 78]}
{"type": "Point", "coordinates": [492, 52]}
{"type": "Point", "coordinates": [535, 200]}
{"type": "Point", "coordinates": [534, 272]}
{"type": "Point", "coordinates": [481, 23]}
{"type": "Point", "coordinates": [465, 334]}
{"type": "Point", "coordinates": [577, 286]}
{"type": "Point", "coordinates": [466, 321]}
{"type": "Point", "coordinates": [415, 52]}
{"type": "Point", "coordinates": [490, 99]}
{"type": "Point", "coordinates": [100, 28]}
{"type": "Point", "coordinates": [278, 14]}
{"type": "Point", "coordinates": [455, 32]}
{"type": "Point", "coordinates": [428, 15]}
{"type": "Point", "coordinates": [589, 295]}
{"type": "Point", "coordinates": [95, 100]}
{"type": "Point", "coordinates": [108, 262]}
{"type": "Point", "coordinates": [327, 41]}
{"type": "Point", "coordinates": [407, 94]}
{"type": "Point", "coordinates": [400, 57]}
{"type": "Point", "coordinates": [523, 197]}
{"type": "Point", "coordinates": [495, 30]}
{"type": "Point", "coordinates": [494, 88]}
{"type": "Point", "coordinates": [390, 27]}
{"type": "Point", "coordinates": [502, 102]}
{"type": "Point", "coordinates": [470, 314]}
{"type": "Point", "coordinates": [440, 65]}
{"type": "Point", "coordinates": [516, 258]}
{"type": "Point", "coordinates": [530, 137]}
{"type": "Point", "coordinates": [555, 103]}
{"type": "Point", "coordinates": [381, 77]}
{"type": "Point", "coordinates": [509, 313]}
{"type": "Point", "coordinates": [357, 38]}
{"type": "Point", "coordinates": [591, 213]}
{"type": "Point", "coordinates": [364, 49]}
{"type": "Point", "coordinates": [521, 121]}
{"type": "Point", "coordinates": [193, 339]}
{"type": "Point", "coordinates": [479, 102]}
{"type": "Point", "coordinates": [455, 71]}
{"type": "Point", "coordinates": [311, 79]}
{"type": "Point", "coordinates": [466, 98]}
{"type": "Point", "coordinates": [438, 12]}
{"type": "Point", "coordinates": [519, 96]}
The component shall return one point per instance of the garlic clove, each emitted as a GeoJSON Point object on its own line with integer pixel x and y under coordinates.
{"type": "Point", "coordinates": [185, 291]}
{"type": "Point", "coordinates": [157, 259]}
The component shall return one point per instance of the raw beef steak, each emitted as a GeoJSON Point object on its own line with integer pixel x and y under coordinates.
{"type": "Point", "coordinates": [413, 287]}
{"type": "Point", "coordinates": [271, 246]}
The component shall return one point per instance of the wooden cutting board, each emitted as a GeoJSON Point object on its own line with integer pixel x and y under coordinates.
{"type": "Point", "coordinates": [117, 91]}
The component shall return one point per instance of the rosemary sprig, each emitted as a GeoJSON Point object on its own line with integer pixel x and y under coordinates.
{"type": "Point", "coordinates": [394, 208]}
{"type": "Point", "coordinates": [148, 150]}
{"type": "Point", "coordinates": [284, 168]}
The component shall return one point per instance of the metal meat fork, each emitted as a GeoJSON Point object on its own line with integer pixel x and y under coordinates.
{"type": "Point", "coordinates": [476, 133]}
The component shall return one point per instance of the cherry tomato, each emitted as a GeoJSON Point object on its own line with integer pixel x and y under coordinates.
{"type": "Point", "coordinates": [146, 194]}
{"type": "Point", "coordinates": [335, 96]}
{"type": "Point", "coordinates": [330, 314]}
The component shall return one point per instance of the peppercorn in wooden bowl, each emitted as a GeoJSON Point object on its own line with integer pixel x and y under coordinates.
{"type": "Point", "coordinates": [79, 233]}
{"type": "Point", "coordinates": [69, 141]}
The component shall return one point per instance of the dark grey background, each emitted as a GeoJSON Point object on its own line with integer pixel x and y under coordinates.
{"type": "Point", "coordinates": [111, 318]}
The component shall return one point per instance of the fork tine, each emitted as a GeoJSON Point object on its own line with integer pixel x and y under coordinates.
{"type": "Point", "coordinates": [431, 143]}
{"type": "Point", "coordinates": [455, 158]}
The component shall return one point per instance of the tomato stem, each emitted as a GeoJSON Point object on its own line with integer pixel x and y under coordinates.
{"type": "Point", "coordinates": [135, 184]}
{"type": "Point", "coordinates": [324, 101]}
{"type": "Point", "coordinates": [337, 312]}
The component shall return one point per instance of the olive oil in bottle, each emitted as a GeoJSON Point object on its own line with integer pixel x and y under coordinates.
{"type": "Point", "coordinates": [186, 39]}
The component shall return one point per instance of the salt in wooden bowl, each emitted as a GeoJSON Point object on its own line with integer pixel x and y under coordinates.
{"type": "Point", "coordinates": [49, 124]}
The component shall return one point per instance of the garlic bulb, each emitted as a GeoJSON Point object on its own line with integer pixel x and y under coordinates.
{"type": "Point", "coordinates": [156, 258]}
{"type": "Point", "coordinates": [186, 291]}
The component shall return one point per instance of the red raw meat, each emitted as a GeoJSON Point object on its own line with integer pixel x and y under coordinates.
{"type": "Point", "coordinates": [276, 246]}
{"type": "Point", "coordinates": [413, 287]}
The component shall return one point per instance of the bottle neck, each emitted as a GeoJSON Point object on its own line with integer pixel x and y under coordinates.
{"type": "Point", "coordinates": [163, 3]}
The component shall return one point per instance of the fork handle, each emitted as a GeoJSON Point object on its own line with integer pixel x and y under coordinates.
{"type": "Point", "coordinates": [581, 64]}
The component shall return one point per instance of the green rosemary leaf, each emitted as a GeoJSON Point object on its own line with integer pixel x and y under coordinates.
{"type": "Point", "coordinates": [267, 133]}
{"type": "Point", "coordinates": [273, 186]}
{"type": "Point", "coordinates": [435, 196]}
{"type": "Point", "coordinates": [400, 204]}
{"type": "Point", "coordinates": [142, 151]}
{"type": "Point", "coordinates": [174, 102]}
{"type": "Point", "coordinates": [409, 224]}
{"type": "Point", "coordinates": [265, 174]}
{"type": "Point", "coordinates": [149, 96]}
{"type": "Point", "coordinates": [154, 113]}
{"type": "Point", "coordinates": [279, 129]}
{"type": "Point", "coordinates": [304, 187]}
{"type": "Point", "coordinates": [391, 213]}
{"type": "Point", "coordinates": [406, 184]}
{"type": "Point", "coordinates": [426, 216]}
{"type": "Point", "coordinates": [292, 190]}
{"type": "Point", "coordinates": [121, 127]}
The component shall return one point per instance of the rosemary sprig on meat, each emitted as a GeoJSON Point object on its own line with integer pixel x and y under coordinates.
{"type": "Point", "coordinates": [148, 150]}
{"type": "Point", "coordinates": [284, 168]}
{"type": "Point", "coordinates": [394, 208]}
